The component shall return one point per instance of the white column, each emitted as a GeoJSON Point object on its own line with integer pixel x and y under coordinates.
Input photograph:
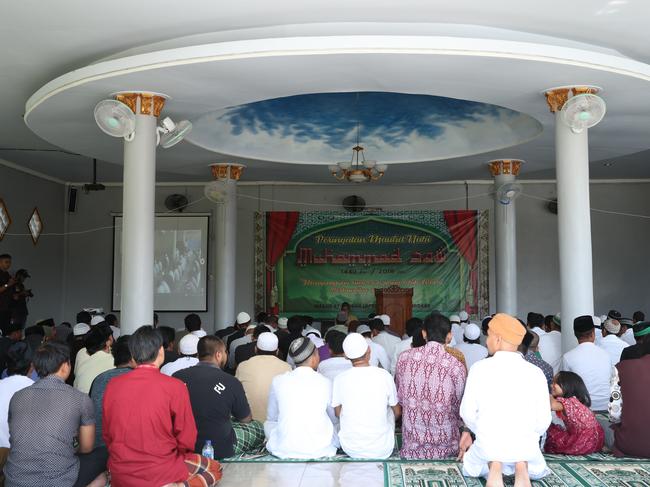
{"type": "Point", "coordinates": [505, 228]}
{"type": "Point", "coordinates": [574, 224]}
{"type": "Point", "coordinates": [226, 245]}
{"type": "Point", "coordinates": [138, 216]}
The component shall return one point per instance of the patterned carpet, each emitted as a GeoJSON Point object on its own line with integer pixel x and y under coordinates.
{"type": "Point", "coordinates": [581, 473]}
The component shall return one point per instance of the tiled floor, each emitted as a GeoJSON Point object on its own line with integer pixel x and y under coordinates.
{"type": "Point", "coordinates": [342, 474]}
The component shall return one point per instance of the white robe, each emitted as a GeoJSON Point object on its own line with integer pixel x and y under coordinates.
{"type": "Point", "coordinates": [299, 417]}
{"type": "Point", "coordinates": [593, 365]}
{"type": "Point", "coordinates": [550, 348]}
{"type": "Point", "coordinates": [506, 405]}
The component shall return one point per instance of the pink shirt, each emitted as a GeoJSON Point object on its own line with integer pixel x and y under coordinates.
{"type": "Point", "coordinates": [430, 384]}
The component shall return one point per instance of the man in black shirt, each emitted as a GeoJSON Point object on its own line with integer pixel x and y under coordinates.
{"type": "Point", "coordinates": [216, 396]}
{"type": "Point", "coordinates": [6, 291]}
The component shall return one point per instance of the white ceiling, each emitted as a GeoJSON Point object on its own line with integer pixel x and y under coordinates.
{"type": "Point", "coordinates": [45, 40]}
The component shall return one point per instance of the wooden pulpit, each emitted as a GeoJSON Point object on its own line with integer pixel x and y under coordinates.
{"type": "Point", "coordinates": [396, 302]}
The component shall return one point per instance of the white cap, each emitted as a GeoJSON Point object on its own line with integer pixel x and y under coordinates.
{"type": "Point", "coordinates": [267, 342]}
{"type": "Point", "coordinates": [80, 329]}
{"type": "Point", "coordinates": [188, 344]}
{"type": "Point", "coordinates": [361, 329]}
{"type": "Point", "coordinates": [250, 328]}
{"type": "Point", "coordinates": [463, 315]}
{"type": "Point", "coordinates": [354, 346]}
{"type": "Point", "coordinates": [199, 333]}
{"type": "Point", "coordinates": [597, 322]}
{"type": "Point", "coordinates": [612, 326]}
{"type": "Point", "coordinates": [603, 318]}
{"type": "Point", "coordinates": [96, 320]}
{"type": "Point", "coordinates": [472, 331]}
{"type": "Point", "coordinates": [282, 322]}
{"type": "Point", "coordinates": [454, 319]}
{"type": "Point", "coordinates": [243, 317]}
{"type": "Point", "coordinates": [385, 319]}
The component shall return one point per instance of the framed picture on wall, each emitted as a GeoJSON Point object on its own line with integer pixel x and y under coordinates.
{"type": "Point", "coordinates": [5, 219]}
{"type": "Point", "coordinates": [35, 225]}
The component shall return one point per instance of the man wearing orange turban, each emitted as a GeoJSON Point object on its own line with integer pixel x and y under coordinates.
{"type": "Point", "coordinates": [506, 406]}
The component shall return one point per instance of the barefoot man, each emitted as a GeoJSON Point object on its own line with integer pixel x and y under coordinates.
{"type": "Point", "coordinates": [506, 406]}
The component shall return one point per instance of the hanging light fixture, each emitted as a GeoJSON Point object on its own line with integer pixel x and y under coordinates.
{"type": "Point", "coordinates": [358, 169]}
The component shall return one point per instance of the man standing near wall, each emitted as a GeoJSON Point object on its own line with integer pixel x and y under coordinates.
{"type": "Point", "coordinates": [6, 287]}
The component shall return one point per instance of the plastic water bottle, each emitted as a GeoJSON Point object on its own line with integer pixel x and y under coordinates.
{"type": "Point", "coordinates": [208, 451]}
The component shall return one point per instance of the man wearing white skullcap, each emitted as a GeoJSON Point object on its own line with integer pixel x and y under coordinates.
{"type": "Point", "coordinates": [365, 399]}
{"type": "Point", "coordinates": [610, 342]}
{"type": "Point", "coordinates": [471, 346]}
{"type": "Point", "coordinates": [298, 420]}
{"type": "Point", "coordinates": [464, 317]}
{"type": "Point", "coordinates": [384, 337]}
{"type": "Point", "coordinates": [188, 350]}
{"type": "Point", "coordinates": [456, 330]}
{"type": "Point", "coordinates": [378, 356]}
{"type": "Point", "coordinates": [257, 373]}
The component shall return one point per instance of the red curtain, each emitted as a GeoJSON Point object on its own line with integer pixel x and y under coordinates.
{"type": "Point", "coordinates": [280, 226]}
{"type": "Point", "coordinates": [462, 225]}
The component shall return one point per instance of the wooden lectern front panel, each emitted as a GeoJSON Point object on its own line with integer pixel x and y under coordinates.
{"type": "Point", "coordinates": [397, 303]}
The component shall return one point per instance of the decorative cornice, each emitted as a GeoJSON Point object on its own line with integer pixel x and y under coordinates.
{"type": "Point", "coordinates": [150, 103]}
{"type": "Point", "coordinates": [227, 171]}
{"type": "Point", "coordinates": [505, 166]}
{"type": "Point", "coordinates": [557, 97]}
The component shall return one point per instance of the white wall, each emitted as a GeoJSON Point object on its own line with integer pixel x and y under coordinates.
{"type": "Point", "coordinates": [21, 193]}
{"type": "Point", "coordinates": [621, 267]}
{"type": "Point", "coordinates": [76, 271]}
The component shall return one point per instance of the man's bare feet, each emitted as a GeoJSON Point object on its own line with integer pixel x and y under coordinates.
{"type": "Point", "coordinates": [521, 475]}
{"type": "Point", "coordinates": [495, 477]}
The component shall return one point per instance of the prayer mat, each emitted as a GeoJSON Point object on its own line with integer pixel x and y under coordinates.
{"type": "Point", "coordinates": [563, 474]}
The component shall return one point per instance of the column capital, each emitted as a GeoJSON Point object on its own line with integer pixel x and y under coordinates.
{"type": "Point", "coordinates": [557, 97]}
{"type": "Point", "coordinates": [505, 166]}
{"type": "Point", "coordinates": [143, 103]}
{"type": "Point", "coordinates": [227, 171]}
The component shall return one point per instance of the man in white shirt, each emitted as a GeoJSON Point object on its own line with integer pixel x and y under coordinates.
{"type": "Point", "coordinates": [535, 323]}
{"type": "Point", "coordinates": [627, 333]}
{"type": "Point", "coordinates": [590, 362]}
{"type": "Point", "coordinates": [506, 406]}
{"type": "Point", "coordinates": [365, 400]}
{"type": "Point", "coordinates": [471, 346]}
{"type": "Point", "coordinates": [378, 356]}
{"type": "Point", "coordinates": [383, 337]}
{"type": "Point", "coordinates": [19, 368]}
{"type": "Point", "coordinates": [413, 325]}
{"type": "Point", "coordinates": [298, 422]}
{"type": "Point", "coordinates": [456, 329]}
{"type": "Point", "coordinates": [337, 362]}
{"type": "Point", "coordinates": [611, 343]}
{"type": "Point", "coordinates": [188, 350]}
{"type": "Point", "coordinates": [550, 345]}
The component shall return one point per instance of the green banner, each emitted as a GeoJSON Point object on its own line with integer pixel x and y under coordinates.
{"type": "Point", "coordinates": [329, 258]}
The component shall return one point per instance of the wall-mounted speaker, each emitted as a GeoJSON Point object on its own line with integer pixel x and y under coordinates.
{"type": "Point", "coordinates": [72, 199]}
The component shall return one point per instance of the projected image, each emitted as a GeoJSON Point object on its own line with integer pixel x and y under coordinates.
{"type": "Point", "coordinates": [180, 263]}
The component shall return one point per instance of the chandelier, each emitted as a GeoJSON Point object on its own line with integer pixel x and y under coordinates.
{"type": "Point", "coordinates": [358, 169]}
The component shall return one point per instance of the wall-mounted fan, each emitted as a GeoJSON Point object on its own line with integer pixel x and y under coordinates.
{"type": "Point", "coordinates": [354, 203]}
{"type": "Point", "coordinates": [583, 111]}
{"type": "Point", "coordinates": [508, 192]}
{"type": "Point", "coordinates": [176, 202]}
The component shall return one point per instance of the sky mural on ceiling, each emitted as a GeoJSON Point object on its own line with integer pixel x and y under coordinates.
{"type": "Point", "coordinates": [394, 127]}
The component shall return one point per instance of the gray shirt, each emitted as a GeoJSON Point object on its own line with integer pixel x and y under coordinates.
{"type": "Point", "coordinates": [44, 421]}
